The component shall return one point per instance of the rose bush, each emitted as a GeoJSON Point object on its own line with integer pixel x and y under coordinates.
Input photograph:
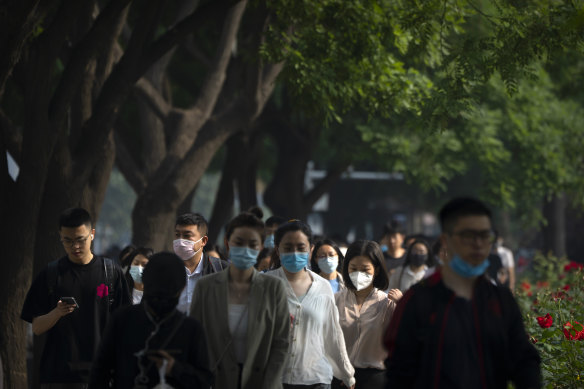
{"type": "Point", "coordinates": [551, 297]}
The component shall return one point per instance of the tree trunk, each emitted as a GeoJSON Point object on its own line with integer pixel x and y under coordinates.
{"type": "Point", "coordinates": [554, 233]}
{"type": "Point", "coordinates": [247, 176]}
{"type": "Point", "coordinates": [285, 193]}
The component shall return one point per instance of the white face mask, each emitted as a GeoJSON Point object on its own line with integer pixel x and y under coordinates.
{"type": "Point", "coordinates": [361, 280]}
{"type": "Point", "coordinates": [184, 248]}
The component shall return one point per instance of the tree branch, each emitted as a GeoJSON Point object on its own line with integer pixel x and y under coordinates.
{"type": "Point", "coordinates": [11, 137]}
{"type": "Point", "coordinates": [115, 90]}
{"type": "Point", "coordinates": [323, 185]}
{"type": "Point", "coordinates": [200, 112]}
{"type": "Point", "coordinates": [98, 36]}
{"type": "Point", "coordinates": [128, 166]}
{"type": "Point", "coordinates": [173, 36]}
{"type": "Point", "coordinates": [197, 54]}
{"type": "Point", "coordinates": [153, 97]}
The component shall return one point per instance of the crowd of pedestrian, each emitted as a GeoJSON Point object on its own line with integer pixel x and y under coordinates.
{"type": "Point", "coordinates": [281, 308]}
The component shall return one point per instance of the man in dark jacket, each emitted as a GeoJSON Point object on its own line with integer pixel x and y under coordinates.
{"type": "Point", "coordinates": [190, 232]}
{"type": "Point", "coordinates": [457, 329]}
{"type": "Point", "coordinates": [150, 342]}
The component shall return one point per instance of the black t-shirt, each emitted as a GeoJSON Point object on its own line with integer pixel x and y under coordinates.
{"type": "Point", "coordinates": [393, 262]}
{"type": "Point", "coordinates": [71, 344]}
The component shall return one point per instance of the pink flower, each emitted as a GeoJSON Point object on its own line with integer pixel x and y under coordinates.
{"type": "Point", "coordinates": [102, 290]}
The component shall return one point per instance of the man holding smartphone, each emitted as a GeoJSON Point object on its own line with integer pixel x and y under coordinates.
{"type": "Point", "coordinates": [70, 301]}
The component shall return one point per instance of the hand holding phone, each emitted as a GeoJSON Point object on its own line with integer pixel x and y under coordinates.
{"type": "Point", "coordinates": [69, 301]}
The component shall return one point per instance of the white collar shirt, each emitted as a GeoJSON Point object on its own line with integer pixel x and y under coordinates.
{"type": "Point", "coordinates": [408, 278]}
{"type": "Point", "coordinates": [317, 349]}
{"type": "Point", "coordinates": [186, 296]}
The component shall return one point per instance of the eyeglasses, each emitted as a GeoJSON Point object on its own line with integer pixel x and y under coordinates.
{"type": "Point", "coordinates": [77, 242]}
{"type": "Point", "coordinates": [468, 237]}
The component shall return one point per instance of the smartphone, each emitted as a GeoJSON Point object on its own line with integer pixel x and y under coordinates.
{"type": "Point", "coordinates": [70, 301]}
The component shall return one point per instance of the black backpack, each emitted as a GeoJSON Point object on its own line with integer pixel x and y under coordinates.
{"type": "Point", "coordinates": [108, 268]}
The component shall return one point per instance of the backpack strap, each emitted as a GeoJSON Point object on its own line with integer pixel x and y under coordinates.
{"type": "Point", "coordinates": [216, 264]}
{"type": "Point", "coordinates": [109, 270]}
{"type": "Point", "coordinates": [52, 277]}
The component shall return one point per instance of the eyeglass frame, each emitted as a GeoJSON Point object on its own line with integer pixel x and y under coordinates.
{"type": "Point", "coordinates": [476, 236]}
{"type": "Point", "coordinates": [70, 243]}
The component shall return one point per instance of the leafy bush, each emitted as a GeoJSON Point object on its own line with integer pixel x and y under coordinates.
{"type": "Point", "coordinates": [551, 298]}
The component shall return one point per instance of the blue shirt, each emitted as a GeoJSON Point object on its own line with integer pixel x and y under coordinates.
{"type": "Point", "coordinates": [335, 285]}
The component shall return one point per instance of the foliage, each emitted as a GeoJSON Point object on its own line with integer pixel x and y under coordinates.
{"type": "Point", "coordinates": [551, 298]}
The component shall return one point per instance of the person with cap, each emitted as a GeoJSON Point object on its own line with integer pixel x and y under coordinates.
{"type": "Point", "coordinates": [152, 343]}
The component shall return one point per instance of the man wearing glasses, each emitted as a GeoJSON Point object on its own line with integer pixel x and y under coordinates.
{"type": "Point", "coordinates": [457, 329]}
{"type": "Point", "coordinates": [70, 300]}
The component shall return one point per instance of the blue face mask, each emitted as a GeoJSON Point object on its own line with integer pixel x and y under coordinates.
{"type": "Point", "coordinates": [243, 257]}
{"type": "Point", "coordinates": [269, 241]}
{"type": "Point", "coordinates": [467, 270]}
{"type": "Point", "coordinates": [329, 264]}
{"type": "Point", "coordinates": [384, 248]}
{"type": "Point", "coordinates": [294, 262]}
{"type": "Point", "coordinates": [136, 273]}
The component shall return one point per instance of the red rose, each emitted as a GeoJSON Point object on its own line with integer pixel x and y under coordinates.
{"type": "Point", "coordinates": [102, 290]}
{"type": "Point", "coordinates": [573, 266]}
{"type": "Point", "coordinates": [566, 287]}
{"type": "Point", "coordinates": [525, 286]}
{"type": "Point", "coordinates": [546, 321]}
{"type": "Point", "coordinates": [571, 332]}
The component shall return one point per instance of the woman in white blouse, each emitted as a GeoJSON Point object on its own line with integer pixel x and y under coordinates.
{"type": "Point", "coordinates": [365, 311]}
{"type": "Point", "coordinates": [317, 348]}
{"type": "Point", "coordinates": [418, 260]}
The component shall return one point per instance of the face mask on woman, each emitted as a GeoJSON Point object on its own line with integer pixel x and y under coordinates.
{"type": "Point", "coordinates": [136, 273]}
{"type": "Point", "coordinates": [361, 280]}
{"type": "Point", "coordinates": [417, 260]}
{"type": "Point", "coordinates": [243, 257]}
{"type": "Point", "coordinates": [328, 264]}
{"type": "Point", "coordinates": [294, 262]}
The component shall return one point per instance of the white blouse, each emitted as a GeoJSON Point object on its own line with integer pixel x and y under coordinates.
{"type": "Point", "coordinates": [408, 278]}
{"type": "Point", "coordinates": [137, 296]}
{"type": "Point", "coordinates": [317, 349]}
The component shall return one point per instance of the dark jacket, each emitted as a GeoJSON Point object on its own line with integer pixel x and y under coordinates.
{"type": "Point", "coordinates": [213, 265]}
{"type": "Point", "coordinates": [439, 340]}
{"type": "Point", "coordinates": [127, 333]}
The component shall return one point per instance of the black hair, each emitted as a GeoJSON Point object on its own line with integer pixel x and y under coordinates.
{"type": "Point", "coordinates": [193, 219]}
{"type": "Point", "coordinates": [292, 225]}
{"type": "Point", "coordinates": [283, 229]}
{"type": "Point", "coordinates": [251, 218]}
{"type": "Point", "coordinates": [392, 228]}
{"type": "Point", "coordinates": [265, 252]}
{"type": "Point", "coordinates": [275, 220]}
{"type": "Point", "coordinates": [145, 251]}
{"type": "Point", "coordinates": [125, 251]}
{"type": "Point", "coordinates": [430, 262]}
{"type": "Point", "coordinates": [460, 207]}
{"type": "Point", "coordinates": [214, 247]}
{"type": "Point", "coordinates": [314, 259]}
{"type": "Point", "coordinates": [164, 275]}
{"type": "Point", "coordinates": [371, 250]}
{"type": "Point", "coordinates": [75, 217]}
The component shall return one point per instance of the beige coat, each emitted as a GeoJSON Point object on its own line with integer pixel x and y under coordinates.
{"type": "Point", "coordinates": [267, 331]}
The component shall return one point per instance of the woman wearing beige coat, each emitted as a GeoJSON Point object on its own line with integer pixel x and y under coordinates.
{"type": "Point", "coordinates": [244, 314]}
